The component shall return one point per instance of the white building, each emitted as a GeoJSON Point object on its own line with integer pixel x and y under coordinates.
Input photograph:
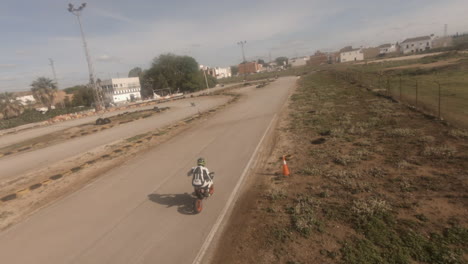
{"type": "Point", "coordinates": [387, 48]}
{"type": "Point", "coordinates": [352, 55]}
{"type": "Point", "coordinates": [26, 99]}
{"type": "Point", "coordinates": [413, 45]}
{"type": "Point", "coordinates": [217, 72]}
{"type": "Point", "coordinates": [297, 62]}
{"type": "Point", "coordinates": [223, 72]}
{"type": "Point", "coordinates": [121, 90]}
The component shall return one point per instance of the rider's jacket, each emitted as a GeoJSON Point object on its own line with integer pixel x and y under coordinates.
{"type": "Point", "coordinates": [200, 176]}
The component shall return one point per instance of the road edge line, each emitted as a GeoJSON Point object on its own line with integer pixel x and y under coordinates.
{"type": "Point", "coordinates": [232, 198]}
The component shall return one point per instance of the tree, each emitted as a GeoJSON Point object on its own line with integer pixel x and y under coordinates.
{"type": "Point", "coordinates": [83, 96]}
{"type": "Point", "coordinates": [67, 103]}
{"type": "Point", "coordinates": [212, 81]}
{"type": "Point", "coordinates": [44, 90]}
{"type": "Point", "coordinates": [177, 72]}
{"type": "Point", "coordinates": [281, 61]}
{"type": "Point", "coordinates": [262, 62]}
{"type": "Point", "coordinates": [135, 72]}
{"type": "Point", "coordinates": [146, 85]}
{"type": "Point", "coordinates": [10, 106]}
{"type": "Point", "coordinates": [234, 70]}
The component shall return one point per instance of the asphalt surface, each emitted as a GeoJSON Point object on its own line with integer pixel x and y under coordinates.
{"type": "Point", "coordinates": [15, 165]}
{"type": "Point", "coordinates": [140, 212]}
{"type": "Point", "coordinates": [24, 133]}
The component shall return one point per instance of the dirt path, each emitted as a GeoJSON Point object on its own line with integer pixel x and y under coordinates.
{"type": "Point", "coordinates": [426, 65]}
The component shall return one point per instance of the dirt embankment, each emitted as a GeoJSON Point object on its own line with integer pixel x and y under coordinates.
{"type": "Point", "coordinates": [372, 182]}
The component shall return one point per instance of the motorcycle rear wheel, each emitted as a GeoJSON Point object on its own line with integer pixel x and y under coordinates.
{"type": "Point", "coordinates": [198, 205]}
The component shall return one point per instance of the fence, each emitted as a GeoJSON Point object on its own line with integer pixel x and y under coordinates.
{"type": "Point", "coordinates": [438, 96]}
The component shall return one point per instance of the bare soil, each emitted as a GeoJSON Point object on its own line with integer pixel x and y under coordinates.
{"type": "Point", "coordinates": [372, 182]}
{"type": "Point", "coordinates": [436, 64]}
{"type": "Point", "coordinates": [409, 57]}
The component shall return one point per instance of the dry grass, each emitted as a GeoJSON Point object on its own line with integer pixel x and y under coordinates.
{"type": "Point", "coordinates": [388, 185]}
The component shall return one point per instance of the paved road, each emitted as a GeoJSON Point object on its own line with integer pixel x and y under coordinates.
{"type": "Point", "coordinates": [139, 212]}
{"type": "Point", "coordinates": [9, 139]}
{"type": "Point", "coordinates": [15, 165]}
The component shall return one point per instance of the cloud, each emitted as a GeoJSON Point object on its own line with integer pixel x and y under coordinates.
{"type": "Point", "coordinates": [8, 66]}
{"type": "Point", "coordinates": [112, 15]}
{"type": "Point", "coordinates": [425, 20]}
{"type": "Point", "coordinates": [209, 32]}
{"type": "Point", "coordinates": [23, 52]}
{"type": "Point", "coordinates": [107, 58]}
{"type": "Point", "coordinates": [7, 79]}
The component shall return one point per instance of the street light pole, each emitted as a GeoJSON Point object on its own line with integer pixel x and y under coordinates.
{"type": "Point", "coordinates": [206, 81]}
{"type": "Point", "coordinates": [53, 71]}
{"type": "Point", "coordinates": [242, 43]}
{"type": "Point", "coordinates": [97, 94]}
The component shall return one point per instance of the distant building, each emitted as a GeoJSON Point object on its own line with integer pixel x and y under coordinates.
{"type": "Point", "coordinates": [317, 59]}
{"type": "Point", "coordinates": [297, 62]}
{"type": "Point", "coordinates": [26, 99]}
{"type": "Point", "coordinates": [249, 67]}
{"type": "Point", "coordinates": [217, 72]}
{"type": "Point", "coordinates": [333, 57]}
{"type": "Point", "coordinates": [222, 72]}
{"type": "Point", "coordinates": [442, 42]}
{"type": "Point", "coordinates": [387, 48]}
{"type": "Point", "coordinates": [418, 44]}
{"type": "Point", "coordinates": [121, 90]}
{"type": "Point", "coordinates": [370, 53]}
{"type": "Point", "coordinates": [347, 55]}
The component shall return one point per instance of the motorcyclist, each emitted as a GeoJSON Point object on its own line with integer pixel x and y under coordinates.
{"type": "Point", "coordinates": [201, 176]}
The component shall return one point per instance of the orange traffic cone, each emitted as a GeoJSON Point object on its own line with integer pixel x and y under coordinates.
{"type": "Point", "coordinates": [285, 167]}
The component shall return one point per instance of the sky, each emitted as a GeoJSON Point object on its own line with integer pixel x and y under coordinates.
{"type": "Point", "coordinates": [122, 34]}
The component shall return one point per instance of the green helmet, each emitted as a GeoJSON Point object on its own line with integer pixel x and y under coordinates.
{"type": "Point", "coordinates": [201, 162]}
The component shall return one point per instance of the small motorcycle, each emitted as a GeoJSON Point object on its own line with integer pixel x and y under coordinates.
{"type": "Point", "coordinates": [202, 193]}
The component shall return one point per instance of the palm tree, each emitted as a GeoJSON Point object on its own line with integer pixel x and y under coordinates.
{"type": "Point", "coordinates": [44, 90]}
{"type": "Point", "coordinates": [9, 105]}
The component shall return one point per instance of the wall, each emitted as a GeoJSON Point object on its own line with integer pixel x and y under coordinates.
{"type": "Point", "coordinates": [355, 55]}
{"type": "Point", "coordinates": [249, 67]}
{"type": "Point", "coordinates": [318, 59]}
{"type": "Point", "coordinates": [297, 62]}
{"type": "Point", "coordinates": [442, 42]}
{"type": "Point", "coordinates": [370, 53]}
{"type": "Point", "coordinates": [120, 90]}
{"type": "Point", "coordinates": [416, 46]}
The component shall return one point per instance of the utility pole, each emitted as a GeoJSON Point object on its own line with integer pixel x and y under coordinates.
{"type": "Point", "coordinates": [53, 71]}
{"type": "Point", "coordinates": [206, 81]}
{"type": "Point", "coordinates": [242, 43]}
{"type": "Point", "coordinates": [99, 105]}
